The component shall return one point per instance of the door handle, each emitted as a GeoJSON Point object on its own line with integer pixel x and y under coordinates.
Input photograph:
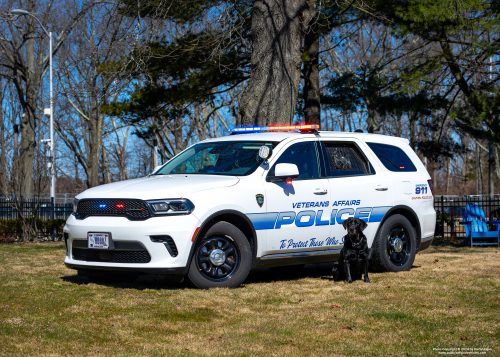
{"type": "Point", "coordinates": [320, 191]}
{"type": "Point", "coordinates": [381, 187]}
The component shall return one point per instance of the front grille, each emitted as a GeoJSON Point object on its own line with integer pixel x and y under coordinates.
{"type": "Point", "coordinates": [132, 209]}
{"type": "Point", "coordinates": [111, 256]}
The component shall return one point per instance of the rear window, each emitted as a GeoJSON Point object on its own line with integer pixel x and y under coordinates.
{"type": "Point", "coordinates": [392, 157]}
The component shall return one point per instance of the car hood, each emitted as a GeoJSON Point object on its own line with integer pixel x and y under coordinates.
{"type": "Point", "coordinates": [159, 186]}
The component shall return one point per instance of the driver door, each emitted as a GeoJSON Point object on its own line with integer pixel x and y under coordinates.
{"type": "Point", "coordinates": [302, 208]}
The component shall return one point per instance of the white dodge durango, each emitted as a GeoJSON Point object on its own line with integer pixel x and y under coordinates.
{"type": "Point", "coordinates": [262, 197]}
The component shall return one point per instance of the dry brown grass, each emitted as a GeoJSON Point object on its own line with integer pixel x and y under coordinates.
{"type": "Point", "coordinates": [450, 299]}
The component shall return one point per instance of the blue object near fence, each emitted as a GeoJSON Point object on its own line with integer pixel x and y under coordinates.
{"type": "Point", "coordinates": [476, 226]}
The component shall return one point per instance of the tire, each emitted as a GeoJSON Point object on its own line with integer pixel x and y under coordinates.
{"type": "Point", "coordinates": [389, 253]}
{"type": "Point", "coordinates": [222, 259]}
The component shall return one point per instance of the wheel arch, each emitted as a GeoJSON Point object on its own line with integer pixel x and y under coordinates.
{"type": "Point", "coordinates": [409, 214]}
{"type": "Point", "coordinates": [236, 218]}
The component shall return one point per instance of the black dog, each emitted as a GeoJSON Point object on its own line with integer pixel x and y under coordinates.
{"type": "Point", "coordinates": [355, 253]}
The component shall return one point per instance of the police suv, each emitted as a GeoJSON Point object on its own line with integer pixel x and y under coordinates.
{"type": "Point", "coordinates": [262, 197]}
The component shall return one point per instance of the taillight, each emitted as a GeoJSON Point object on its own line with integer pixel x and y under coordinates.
{"type": "Point", "coordinates": [429, 182]}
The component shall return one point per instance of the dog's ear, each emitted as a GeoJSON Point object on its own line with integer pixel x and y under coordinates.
{"type": "Point", "coordinates": [345, 223]}
{"type": "Point", "coordinates": [362, 225]}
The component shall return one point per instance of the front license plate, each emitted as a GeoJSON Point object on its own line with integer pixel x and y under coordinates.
{"type": "Point", "coordinates": [98, 240]}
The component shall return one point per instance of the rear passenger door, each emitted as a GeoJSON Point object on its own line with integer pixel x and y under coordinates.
{"type": "Point", "coordinates": [357, 190]}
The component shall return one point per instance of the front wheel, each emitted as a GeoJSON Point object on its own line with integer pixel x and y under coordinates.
{"type": "Point", "coordinates": [395, 245]}
{"type": "Point", "coordinates": [222, 259]}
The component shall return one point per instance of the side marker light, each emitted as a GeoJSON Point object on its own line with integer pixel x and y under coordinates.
{"type": "Point", "coordinates": [195, 233]}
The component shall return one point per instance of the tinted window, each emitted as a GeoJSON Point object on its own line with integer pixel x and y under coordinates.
{"type": "Point", "coordinates": [345, 159]}
{"type": "Point", "coordinates": [218, 158]}
{"type": "Point", "coordinates": [392, 157]}
{"type": "Point", "coordinates": [305, 156]}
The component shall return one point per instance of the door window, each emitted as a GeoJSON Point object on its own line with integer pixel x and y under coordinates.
{"type": "Point", "coordinates": [305, 156]}
{"type": "Point", "coordinates": [345, 159]}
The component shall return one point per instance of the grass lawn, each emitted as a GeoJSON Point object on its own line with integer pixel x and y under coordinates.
{"type": "Point", "coordinates": [449, 299]}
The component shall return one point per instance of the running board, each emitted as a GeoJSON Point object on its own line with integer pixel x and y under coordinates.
{"type": "Point", "coordinates": [312, 257]}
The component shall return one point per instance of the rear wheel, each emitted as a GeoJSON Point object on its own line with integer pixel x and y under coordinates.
{"type": "Point", "coordinates": [222, 259]}
{"type": "Point", "coordinates": [395, 245]}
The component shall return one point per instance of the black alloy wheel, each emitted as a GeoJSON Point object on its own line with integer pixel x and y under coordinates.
{"type": "Point", "coordinates": [218, 258]}
{"type": "Point", "coordinates": [398, 245]}
{"type": "Point", "coordinates": [222, 258]}
{"type": "Point", "coordinates": [395, 245]}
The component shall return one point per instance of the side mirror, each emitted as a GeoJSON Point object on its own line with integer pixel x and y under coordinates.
{"type": "Point", "coordinates": [156, 169]}
{"type": "Point", "coordinates": [265, 153]}
{"type": "Point", "coordinates": [285, 172]}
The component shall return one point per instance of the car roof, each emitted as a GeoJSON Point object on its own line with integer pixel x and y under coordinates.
{"type": "Point", "coordinates": [280, 136]}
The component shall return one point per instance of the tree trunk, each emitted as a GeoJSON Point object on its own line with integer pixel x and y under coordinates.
{"type": "Point", "coordinates": [105, 165]}
{"type": "Point", "coordinates": [28, 120]}
{"type": "Point", "coordinates": [479, 170]}
{"type": "Point", "coordinates": [448, 176]}
{"type": "Point", "coordinates": [27, 149]}
{"type": "Point", "coordinates": [312, 110]}
{"type": "Point", "coordinates": [413, 131]}
{"type": "Point", "coordinates": [180, 144]}
{"type": "Point", "coordinates": [216, 132]}
{"type": "Point", "coordinates": [95, 139]}
{"type": "Point", "coordinates": [3, 155]}
{"type": "Point", "coordinates": [373, 121]}
{"type": "Point", "coordinates": [496, 151]}
{"type": "Point", "coordinates": [277, 31]}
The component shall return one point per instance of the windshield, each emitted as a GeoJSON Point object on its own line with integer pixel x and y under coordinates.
{"type": "Point", "coordinates": [233, 158]}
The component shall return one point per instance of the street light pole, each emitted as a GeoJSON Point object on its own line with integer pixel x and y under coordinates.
{"type": "Point", "coordinates": [491, 161]}
{"type": "Point", "coordinates": [52, 156]}
{"type": "Point", "coordinates": [51, 100]}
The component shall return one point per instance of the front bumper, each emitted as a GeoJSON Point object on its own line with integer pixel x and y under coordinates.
{"type": "Point", "coordinates": [179, 228]}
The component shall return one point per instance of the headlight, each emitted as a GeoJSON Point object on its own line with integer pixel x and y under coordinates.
{"type": "Point", "coordinates": [171, 206]}
{"type": "Point", "coordinates": [75, 204]}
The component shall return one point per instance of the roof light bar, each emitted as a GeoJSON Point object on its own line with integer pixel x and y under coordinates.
{"type": "Point", "coordinates": [294, 127]}
{"type": "Point", "coordinates": [253, 129]}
